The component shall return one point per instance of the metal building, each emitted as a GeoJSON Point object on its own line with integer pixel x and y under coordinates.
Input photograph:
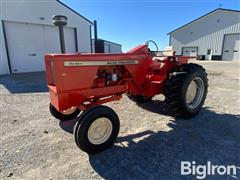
{"type": "Point", "coordinates": [107, 46]}
{"type": "Point", "coordinates": [214, 36]}
{"type": "Point", "coordinates": [103, 46]}
{"type": "Point", "coordinates": [27, 33]}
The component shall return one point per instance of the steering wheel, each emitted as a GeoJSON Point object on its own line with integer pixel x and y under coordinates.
{"type": "Point", "coordinates": [151, 41]}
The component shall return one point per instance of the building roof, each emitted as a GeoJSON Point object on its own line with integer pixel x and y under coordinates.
{"type": "Point", "coordinates": [200, 18]}
{"type": "Point", "coordinates": [74, 11]}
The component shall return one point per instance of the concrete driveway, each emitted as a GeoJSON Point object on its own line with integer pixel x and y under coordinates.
{"type": "Point", "coordinates": [151, 144]}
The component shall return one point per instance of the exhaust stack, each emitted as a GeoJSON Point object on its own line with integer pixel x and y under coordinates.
{"type": "Point", "coordinates": [95, 30]}
{"type": "Point", "coordinates": [60, 21]}
{"type": "Point", "coordinates": [95, 37]}
{"type": "Point", "coordinates": [98, 43]}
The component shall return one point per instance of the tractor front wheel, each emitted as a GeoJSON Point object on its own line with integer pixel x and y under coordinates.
{"type": "Point", "coordinates": [66, 115]}
{"type": "Point", "coordinates": [186, 90]}
{"type": "Point", "coordinates": [96, 129]}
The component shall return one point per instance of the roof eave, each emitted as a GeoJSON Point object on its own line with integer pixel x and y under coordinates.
{"type": "Point", "coordinates": [75, 12]}
{"type": "Point", "coordinates": [201, 18]}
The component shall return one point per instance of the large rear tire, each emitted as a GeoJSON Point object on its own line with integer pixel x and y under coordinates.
{"type": "Point", "coordinates": [186, 90]}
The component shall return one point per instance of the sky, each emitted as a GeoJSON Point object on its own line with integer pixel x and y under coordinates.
{"type": "Point", "coordinates": [132, 22]}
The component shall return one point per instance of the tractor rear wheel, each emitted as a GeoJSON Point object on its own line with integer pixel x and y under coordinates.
{"type": "Point", "coordinates": [96, 129]}
{"type": "Point", "coordinates": [66, 115]}
{"type": "Point", "coordinates": [186, 90]}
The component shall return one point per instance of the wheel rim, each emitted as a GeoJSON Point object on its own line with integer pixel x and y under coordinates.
{"type": "Point", "coordinates": [100, 130]}
{"type": "Point", "coordinates": [195, 92]}
{"type": "Point", "coordinates": [69, 111]}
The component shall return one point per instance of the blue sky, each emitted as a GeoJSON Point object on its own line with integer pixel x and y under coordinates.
{"type": "Point", "coordinates": [132, 22]}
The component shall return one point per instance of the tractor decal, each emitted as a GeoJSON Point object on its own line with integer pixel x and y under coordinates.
{"type": "Point", "coordinates": [99, 63]}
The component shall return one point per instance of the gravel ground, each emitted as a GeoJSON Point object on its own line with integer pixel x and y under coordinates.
{"type": "Point", "coordinates": [150, 145]}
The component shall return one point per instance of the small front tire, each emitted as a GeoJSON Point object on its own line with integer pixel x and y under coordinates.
{"type": "Point", "coordinates": [96, 129]}
{"type": "Point", "coordinates": [65, 115]}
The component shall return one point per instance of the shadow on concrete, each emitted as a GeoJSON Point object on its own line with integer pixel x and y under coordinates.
{"type": "Point", "coordinates": [68, 125]}
{"type": "Point", "coordinates": [158, 155]}
{"type": "Point", "coordinates": [209, 136]}
{"type": "Point", "coordinates": [25, 82]}
{"type": "Point", "coordinates": [155, 106]}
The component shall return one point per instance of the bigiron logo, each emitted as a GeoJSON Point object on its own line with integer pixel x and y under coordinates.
{"type": "Point", "coordinates": [202, 171]}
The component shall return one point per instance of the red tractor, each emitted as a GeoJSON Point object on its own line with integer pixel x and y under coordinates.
{"type": "Point", "coordinates": [82, 82]}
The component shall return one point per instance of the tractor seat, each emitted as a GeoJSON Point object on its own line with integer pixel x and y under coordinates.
{"type": "Point", "coordinates": [161, 55]}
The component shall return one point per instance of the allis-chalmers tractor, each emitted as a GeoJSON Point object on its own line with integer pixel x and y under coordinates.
{"type": "Point", "coordinates": [82, 82]}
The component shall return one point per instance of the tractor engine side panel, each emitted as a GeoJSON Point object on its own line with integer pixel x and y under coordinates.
{"type": "Point", "coordinates": [74, 79]}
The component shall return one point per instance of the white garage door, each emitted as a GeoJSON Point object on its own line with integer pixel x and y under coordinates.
{"type": "Point", "coordinates": [28, 43]}
{"type": "Point", "coordinates": [189, 51]}
{"type": "Point", "coordinates": [231, 47]}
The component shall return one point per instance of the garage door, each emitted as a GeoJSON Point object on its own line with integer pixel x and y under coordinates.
{"type": "Point", "coordinates": [231, 47]}
{"type": "Point", "coordinates": [28, 43]}
{"type": "Point", "coordinates": [189, 51]}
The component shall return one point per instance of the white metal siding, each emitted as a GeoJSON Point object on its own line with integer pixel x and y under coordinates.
{"type": "Point", "coordinates": [207, 33]}
{"type": "Point", "coordinates": [3, 55]}
{"type": "Point", "coordinates": [40, 12]}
